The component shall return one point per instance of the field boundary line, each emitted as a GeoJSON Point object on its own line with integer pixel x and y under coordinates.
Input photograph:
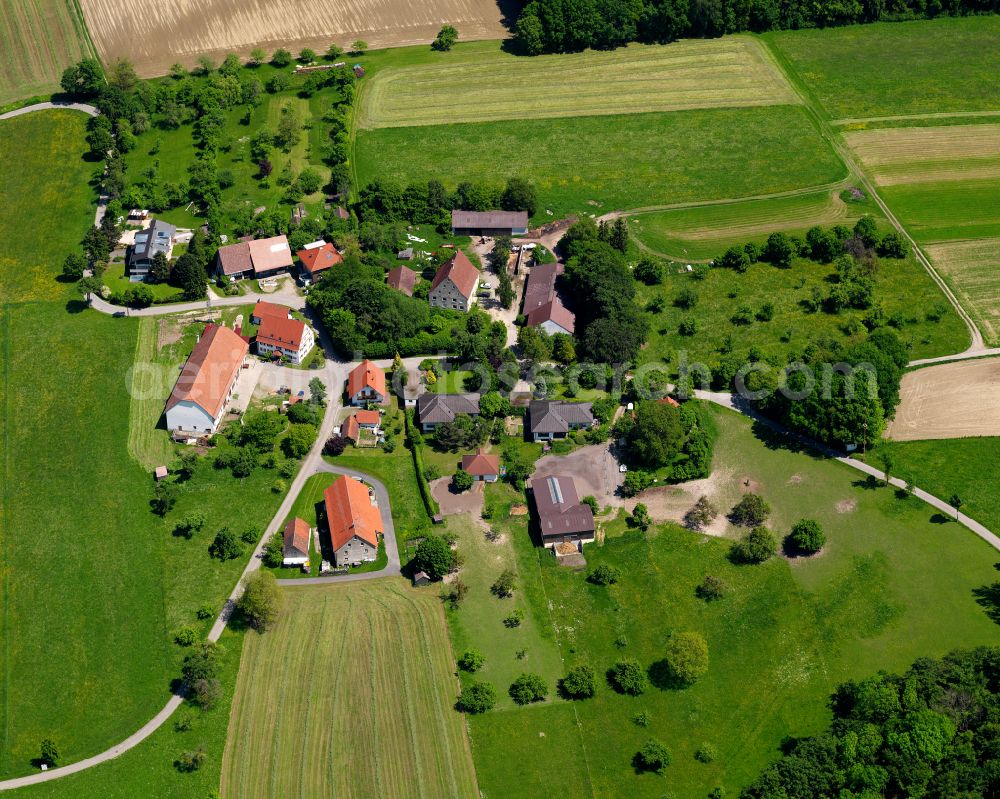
{"type": "Point", "coordinates": [4, 526]}
{"type": "Point", "coordinates": [908, 117]}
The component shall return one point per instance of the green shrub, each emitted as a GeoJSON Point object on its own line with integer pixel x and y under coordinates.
{"type": "Point", "coordinates": [627, 677]}
{"type": "Point", "coordinates": [807, 536]}
{"type": "Point", "coordinates": [652, 756]}
{"type": "Point", "coordinates": [756, 546]}
{"type": "Point", "coordinates": [471, 661]}
{"type": "Point", "coordinates": [478, 698]}
{"type": "Point", "coordinates": [580, 682]}
{"type": "Point", "coordinates": [528, 688]}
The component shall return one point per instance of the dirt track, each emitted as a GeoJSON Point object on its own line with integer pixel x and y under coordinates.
{"type": "Point", "coordinates": [953, 400]}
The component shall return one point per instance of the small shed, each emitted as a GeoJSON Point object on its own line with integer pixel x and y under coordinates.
{"type": "Point", "coordinates": [160, 473]}
{"type": "Point", "coordinates": [421, 578]}
{"type": "Point", "coordinates": [359, 71]}
{"type": "Point", "coordinates": [405, 255]}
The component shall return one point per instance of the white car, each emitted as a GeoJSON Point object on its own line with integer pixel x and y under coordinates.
{"type": "Point", "coordinates": [622, 468]}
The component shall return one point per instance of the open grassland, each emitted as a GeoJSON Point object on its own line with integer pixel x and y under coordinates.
{"type": "Point", "coordinates": [921, 67]}
{"type": "Point", "coordinates": [891, 585]}
{"type": "Point", "coordinates": [162, 32]}
{"type": "Point", "coordinates": [38, 40]}
{"type": "Point", "coordinates": [704, 232]}
{"type": "Point", "coordinates": [955, 209]}
{"type": "Point", "coordinates": [349, 695]}
{"type": "Point", "coordinates": [689, 74]}
{"type": "Point", "coordinates": [972, 270]}
{"type": "Point", "coordinates": [43, 153]}
{"type": "Point", "coordinates": [614, 162]}
{"type": "Point", "coordinates": [903, 288]}
{"type": "Point", "coordinates": [937, 153]}
{"type": "Point", "coordinates": [949, 400]}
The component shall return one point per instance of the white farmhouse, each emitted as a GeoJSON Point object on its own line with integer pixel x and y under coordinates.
{"type": "Point", "coordinates": [287, 337]}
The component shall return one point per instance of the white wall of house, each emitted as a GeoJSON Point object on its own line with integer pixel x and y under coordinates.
{"type": "Point", "coordinates": [189, 417]}
{"type": "Point", "coordinates": [294, 561]}
{"type": "Point", "coordinates": [354, 552]}
{"type": "Point", "coordinates": [367, 395]}
{"type": "Point", "coordinates": [447, 295]}
{"type": "Point", "coordinates": [295, 356]}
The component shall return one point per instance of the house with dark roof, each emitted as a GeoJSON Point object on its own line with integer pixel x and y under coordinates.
{"type": "Point", "coordinates": [403, 279]}
{"type": "Point", "coordinates": [206, 382]}
{"type": "Point", "coordinates": [316, 258]}
{"type": "Point", "coordinates": [489, 223]}
{"type": "Point", "coordinates": [158, 237]}
{"type": "Point", "coordinates": [296, 543]}
{"type": "Point", "coordinates": [562, 518]}
{"type": "Point", "coordinates": [353, 521]}
{"type": "Point", "coordinates": [552, 419]}
{"type": "Point", "coordinates": [542, 306]}
{"type": "Point", "coordinates": [482, 466]}
{"type": "Point", "coordinates": [366, 383]}
{"type": "Point", "coordinates": [454, 286]}
{"type": "Point", "coordinates": [434, 409]}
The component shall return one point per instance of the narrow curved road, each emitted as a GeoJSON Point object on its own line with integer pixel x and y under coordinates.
{"type": "Point", "coordinates": [49, 106]}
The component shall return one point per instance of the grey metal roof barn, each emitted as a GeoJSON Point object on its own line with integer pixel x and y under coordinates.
{"type": "Point", "coordinates": [560, 512]}
{"type": "Point", "coordinates": [489, 222]}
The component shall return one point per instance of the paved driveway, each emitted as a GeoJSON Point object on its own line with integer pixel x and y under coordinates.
{"type": "Point", "coordinates": [593, 468]}
{"type": "Point", "coordinates": [470, 501]}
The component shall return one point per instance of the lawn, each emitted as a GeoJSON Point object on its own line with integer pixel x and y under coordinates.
{"type": "Point", "coordinates": [704, 232]}
{"type": "Point", "coordinates": [730, 72]}
{"type": "Point", "coordinates": [922, 67]}
{"type": "Point", "coordinates": [44, 153]}
{"type": "Point", "coordinates": [890, 585]}
{"type": "Point", "coordinates": [116, 280]}
{"type": "Point", "coordinates": [350, 694]}
{"type": "Point", "coordinates": [902, 287]}
{"type": "Point", "coordinates": [38, 40]}
{"type": "Point", "coordinates": [595, 164]}
{"type": "Point", "coordinates": [972, 270]}
{"type": "Point", "coordinates": [956, 209]}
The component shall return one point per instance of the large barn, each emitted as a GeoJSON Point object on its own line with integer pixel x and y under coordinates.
{"type": "Point", "coordinates": [489, 223]}
{"type": "Point", "coordinates": [206, 383]}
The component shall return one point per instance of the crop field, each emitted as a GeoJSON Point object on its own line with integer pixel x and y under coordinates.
{"type": "Point", "coordinates": [939, 153]}
{"type": "Point", "coordinates": [890, 585]}
{"type": "Point", "coordinates": [350, 694]}
{"type": "Point", "coordinates": [972, 269]}
{"type": "Point", "coordinates": [704, 232]}
{"type": "Point", "coordinates": [162, 32]}
{"type": "Point", "coordinates": [38, 40]}
{"type": "Point", "coordinates": [584, 164]}
{"type": "Point", "coordinates": [688, 74]}
{"type": "Point", "coordinates": [897, 68]}
{"type": "Point", "coordinates": [954, 209]}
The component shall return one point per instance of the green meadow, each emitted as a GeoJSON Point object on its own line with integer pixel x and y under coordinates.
{"type": "Point", "coordinates": [957, 209]}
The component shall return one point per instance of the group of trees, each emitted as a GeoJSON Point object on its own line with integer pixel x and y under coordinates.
{"type": "Point", "coordinates": [662, 436]}
{"type": "Point", "coordinates": [929, 732]}
{"type": "Point", "coordinates": [556, 26]}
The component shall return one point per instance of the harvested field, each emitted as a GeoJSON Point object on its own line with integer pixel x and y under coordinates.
{"type": "Point", "coordinates": [690, 74]}
{"type": "Point", "coordinates": [939, 153]}
{"type": "Point", "coordinates": [38, 40]}
{"type": "Point", "coordinates": [951, 400]}
{"type": "Point", "coordinates": [972, 269]}
{"type": "Point", "coordinates": [158, 33]}
{"type": "Point", "coordinates": [350, 695]}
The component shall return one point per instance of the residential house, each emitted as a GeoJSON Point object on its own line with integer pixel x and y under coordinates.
{"type": "Point", "coordinates": [482, 466]}
{"type": "Point", "coordinates": [366, 383]}
{"type": "Point", "coordinates": [206, 382]}
{"type": "Point", "coordinates": [354, 521]}
{"type": "Point", "coordinates": [158, 237]}
{"type": "Point", "coordinates": [434, 409]}
{"type": "Point", "coordinates": [542, 306]}
{"type": "Point", "coordinates": [454, 286]}
{"type": "Point", "coordinates": [489, 223]}
{"type": "Point", "coordinates": [316, 258]}
{"type": "Point", "coordinates": [562, 518]}
{"type": "Point", "coordinates": [296, 549]}
{"type": "Point", "coordinates": [362, 420]}
{"type": "Point", "coordinates": [265, 309]}
{"type": "Point", "coordinates": [551, 419]}
{"type": "Point", "coordinates": [289, 338]}
{"type": "Point", "coordinates": [403, 279]}
{"type": "Point", "coordinates": [411, 391]}
{"type": "Point", "coordinates": [254, 259]}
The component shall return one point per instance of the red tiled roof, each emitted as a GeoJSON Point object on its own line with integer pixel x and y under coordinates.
{"type": "Point", "coordinates": [264, 309]}
{"type": "Point", "coordinates": [481, 464]}
{"type": "Point", "coordinates": [297, 536]}
{"type": "Point", "coordinates": [210, 370]}
{"type": "Point", "coordinates": [366, 375]}
{"type": "Point", "coordinates": [316, 259]}
{"type": "Point", "coordinates": [669, 401]}
{"type": "Point", "coordinates": [352, 429]}
{"type": "Point", "coordinates": [235, 259]}
{"type": "Point", "coordinates": [403, 279]}
{"type": "Point", "coordinates": [460, 271]}
{"type": "Point", "coordinates": [285, 333]}
{"type": "Point", "coordinates": [368, 417]}
{"type": "Point", "coordinates": [349, 512]}
{"type": "Point", "coordinates": [552, 311]}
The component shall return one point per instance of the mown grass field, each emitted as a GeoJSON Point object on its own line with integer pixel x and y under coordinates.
{"type": "Point", "coordinates": [704, 232]}
{"type": "Point", "coordinates": [955, 209]}
{"type": "Point", "coordinates": [586, 164]}
{"type": "Point", "coordinates": [349, 695]}
{"type": "Point", "coordinates": [937, 153]}
{"type": "Point", "coordinates": [689, 74]}
{"type": "Point", "coordinates": [38, 40]}
{"type": "Point", "coordinates": [972, 269]}
{"type": "Point", "coordinates": [897, 68]}
{"type": "Point", "coordinates": [890, 585]}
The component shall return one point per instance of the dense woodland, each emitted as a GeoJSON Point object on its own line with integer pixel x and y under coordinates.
{"type": "Point", "coordinates": [558, 26]}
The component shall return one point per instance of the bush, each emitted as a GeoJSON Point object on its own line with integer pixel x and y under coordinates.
{"type": "Point", "coordinates": [687, 657]}
{"type": "Point", "coordinates": [471, 661]}
{"type": "Point", "coordinates": [185, 636]}
{"type": "Point", "coordinates": [274, 551]}
{"type": "Point", "coordinates": [446, 38]}
{"type": "Point", "coordinates": [649, 272]}
{"type": "Point", "coordinates": [514, 619]}
{"type": "Point", "coordinates": [807, 536]}
{"type": "Point", "coordinates": [627, 677]}
{"type": "Point", "coordinates": [462, 480]}
{"type": "Point", "coordinates": [756, 546]}
{"type": "Point", "coordinates": [250, 536]}
{"type": "Point", "coordinates": [434, 556]}
{"type": "Point", "coordinates": [605, 575]}
{"type": "Point", "coordinates": [653, 756]}
{"type": "Point", "coordinates": [504, 585]}
{"type": "Point", "coordinates": [706, 753]}
{"type": "Point", "coordinates": [335, 445]}
{"type": "Point", "coordinates": [205, 612]}
{"type": "Point", "coordinates": [580, 682]}
{"type": "Point", "coordinates": [478, 698]}
{"type": "Point", "coordinates": [640, 517]}
{"type": "Point", "coordinates": [225, 545]}
{"type": "Point", "coordinates": [190, 761]}
{"type": "Point", "coordinates": [750, 511]}
{"type": "Point", "coordinates": [711, 588]}
{"type": "Point", "coordinates": [528, 688]}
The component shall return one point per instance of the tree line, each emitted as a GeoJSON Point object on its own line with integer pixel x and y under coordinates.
{"type": "Point", "coordinates": [562, 26]}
